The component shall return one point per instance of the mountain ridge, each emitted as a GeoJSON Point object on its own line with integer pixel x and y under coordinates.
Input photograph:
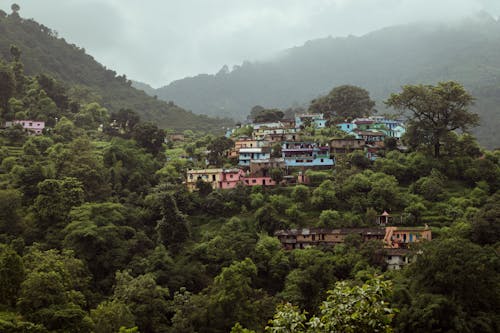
{"type": "Point", "coordinates": [381, 61]}
{"type": "Point", "coordinates": [44, 52]}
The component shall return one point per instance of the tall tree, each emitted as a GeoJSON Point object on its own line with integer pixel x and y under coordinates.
{"type": "Point", "coordinates": [344, 101]}
{"type": "Point", "coordinates": [435, 111]}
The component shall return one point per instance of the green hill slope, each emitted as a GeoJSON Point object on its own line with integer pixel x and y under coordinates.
{"type": "Point", "coordinates": [43, 52]}
{"type": "Point", "coordinates": [467, 51]}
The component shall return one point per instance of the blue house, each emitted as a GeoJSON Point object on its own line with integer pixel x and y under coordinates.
{"type": "Point", "coordinates": [306, 154]}
{"type": "Point", "coordinates": [347, 127]}
{"type": "Point", "coordinates": [316, 120]}
{"type": "Point", "coordinates": [249, 154]}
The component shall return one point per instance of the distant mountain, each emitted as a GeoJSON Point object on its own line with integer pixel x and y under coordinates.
{"type": "Point", "coordinates": [43, 52]}
{"type": "Point", "coordinates": [381, 62]}
{"type": "Point", "coordinates": [144, 87]}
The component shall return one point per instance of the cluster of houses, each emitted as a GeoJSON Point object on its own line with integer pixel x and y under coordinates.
{"type": "Point", "coordinates": [280, 145]}
{"type": "Point", "coordinates": [397, 240]}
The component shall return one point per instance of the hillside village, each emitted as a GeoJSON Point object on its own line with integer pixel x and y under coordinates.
{"type": "Point", "coordinates": [283, 151]}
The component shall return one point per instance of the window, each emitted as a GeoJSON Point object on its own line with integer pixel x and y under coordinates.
{"type": "Point", "coordinates": [322, 160]}
{"type": "Point", "coordinates": [31, 124]}
{"type": "Point", "coordinates": [313, 237]}
{"type": "Point", "coordinates": [254, 181]}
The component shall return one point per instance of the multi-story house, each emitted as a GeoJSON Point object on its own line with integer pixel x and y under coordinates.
{"type": "Point", "coordinates": [211, 176]}
{"type": "Point", "coordinates": [306, 154]}
{"type": "Point", "coordinates": [393, 237]}
{"type": "Point", "coordinates": [307, 237]}
{"type": "Point", "coordinates": [316, 120]}
{"type": "Point", "coordinates": [346, 146]}
{"type": "Point", "coordinates": [261, 168]}
{"type": "Point", "coordinates": [403, 237]}
{"type": "Point", "coordinates": [248, 154]}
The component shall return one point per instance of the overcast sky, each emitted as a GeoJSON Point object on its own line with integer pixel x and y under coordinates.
{"type": "Point", "coordinates": [157, 41]}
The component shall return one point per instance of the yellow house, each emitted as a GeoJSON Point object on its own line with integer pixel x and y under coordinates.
{"type": "Point", "coordinates": [212, 176]}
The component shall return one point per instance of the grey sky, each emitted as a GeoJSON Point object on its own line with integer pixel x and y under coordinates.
{"type": "Point", "coordinates": [157, 41]}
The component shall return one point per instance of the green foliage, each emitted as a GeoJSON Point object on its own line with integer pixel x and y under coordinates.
{"type": "Point", "coordinates": [146, 300]}
{"type": "Point", "coordinates": [436, 111]}
{"type": "Point", "coordinates": [111, 317]}
{"type": "Point", "coordinates": [11, 275]}
{"type": "Point", "coordinates": [347, 308]}
{"type": "Point", "coordinates": [344, 102]}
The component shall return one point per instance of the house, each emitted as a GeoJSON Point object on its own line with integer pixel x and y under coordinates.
{"type": "Point", "coordinates": [176, 137]}
{"type": "Point", "coordinates": [370, 137]}
{"type": "Point", "coordinates": [258, 181]}
{"type": "Point", "coordinates": [230, 178]}
{"type": "Point", "coordinates": [346, 145]}
{"type": "Point", "coordinates": [403, 237]}
{"type": "Point", "coordinates": [32, 127]}
{"type": "Point", "coordinates": [245, 142]}
{"type": "Point", "coordinates": [346, 126]}
{"type": "Point", "coordinates": [316, 120]}
{"type": "Point", "coordinates": [211, 176]}
{"type": "Point", "coordinates": [307, 237]}
{"type": "Point", "coordinates": [261, 167]}
{"type": "Point", "coordinates": [306, 154]}
{"type": "Point", "coordinates": [248, 154]}
{"type": "Point", "coordinates": [396, 258]}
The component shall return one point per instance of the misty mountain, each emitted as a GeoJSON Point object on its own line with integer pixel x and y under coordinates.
{"type": "Point", "coordinates": [44, 52]}
{"type": "Point", "coordinates": [381, 62]}
{"type": "Point", "coordinates": [144, 87]}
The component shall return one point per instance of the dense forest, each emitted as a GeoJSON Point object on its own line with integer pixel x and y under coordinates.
{"type": "Point", "coordinates": [44, 52]}
{"type": "Point", "coordinates": [381, 61]}
{"type": "Point", "coordinates": [99, 233]}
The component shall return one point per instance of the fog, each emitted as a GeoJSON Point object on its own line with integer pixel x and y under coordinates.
{"type": "Point", "coordinates": [157, 41]}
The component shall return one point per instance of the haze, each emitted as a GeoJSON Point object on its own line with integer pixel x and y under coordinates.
{"type": "Point", "coordinates": [158, 41]}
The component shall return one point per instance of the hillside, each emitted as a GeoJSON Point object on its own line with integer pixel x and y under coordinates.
{"type": "Point", "coordinates": [381, 61]}
{"type": "Point", "coordinates": [43, 52]}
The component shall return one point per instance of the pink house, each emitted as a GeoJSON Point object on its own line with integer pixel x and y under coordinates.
{"type": "Point", "coordinates": [230, 178]}
{"type": "Point", "coordinates": [262, 181]}
{"type": "Point", "coordinates": [31, 126]}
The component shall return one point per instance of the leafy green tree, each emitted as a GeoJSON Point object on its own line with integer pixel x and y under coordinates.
{"type": "Point", "coordinates": [149, 136]}
{"type": "Point", "coordinates": [218, 149]}
{"type": "Point", "coordinates": [109, 316]}
{"type": "Point", "coordinates": [10, 204]}
{"type": "Point", "coordinates": [11, 275]}
{"type": "Point", "coordinates": [232, 299]}
{"type": "Point", "coordinates": [173, 228]}
{"type": "Point", "coordinates": [329, 218]}
{"type": "Point", "coordinates": [7, 88]}
{"type": "Point", "coordinates": [440, 288]}
{"type": "Point", "coordinates": [347, 308]}
{"type": "Point", "coordinates": [344, 101]}
{"type": "Point", "coordinates": [435, 111]}
{"type": "Point", "coordinates": [268, 115]}
{"type": "Point", "coordinates": [486, 222]}
{"type": "Point", "coordinates": [147, 301]}
{"type": "Point", "coordinates": [55, 200]}
{"type": "Point", "coordinates": [98, 234]}
{"type": "Point", "coordinates": [53, 292]}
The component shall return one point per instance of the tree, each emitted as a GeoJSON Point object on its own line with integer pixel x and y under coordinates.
{"type": "Point", "coordinates": [435, 111]}
{"type": "Point", "coordinates": [268, 115]}
{"type": "Point", "coordinates": [149, 136]}
{"type": "Point", "coordinates": [173, 228]}
{"type": "Point", "coordinates": [218, 149]}
{"type": "Point", "coordinates": [15, 7]}
{"type": "Point", "coordinates": [53, 292]}
{"type": "Point", "coordinates": [109, 316]}
{"type": "Point", "coordinates": [145, 299]}
{"type": "Point", "coordinates": [347, 309]}
{"type": "Point", "coordinates": [344, 101]}
{"type": "Point", "coordinates": [11, 275]}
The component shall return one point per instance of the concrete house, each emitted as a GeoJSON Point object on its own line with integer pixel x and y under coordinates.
{"type": "Point", "coordinates": [33, 127]}
{"type": "Point", "coordinates": [306, 154]}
